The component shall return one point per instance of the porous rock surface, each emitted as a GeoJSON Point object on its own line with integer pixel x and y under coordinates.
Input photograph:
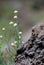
{"type": "Point", "coordinates": [32, 52]}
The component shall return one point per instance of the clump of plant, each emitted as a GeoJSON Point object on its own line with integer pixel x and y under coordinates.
{"type": "Point", "coordinates": [10, 39]}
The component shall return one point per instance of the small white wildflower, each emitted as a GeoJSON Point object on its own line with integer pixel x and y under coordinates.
{"type": "Point", "coordinates": [3, 28]}
{"type": "Point", "coordinates": [15, 11]}
{"type": "Point", "coordinates": [10, 22]}
{"type": "Point", "coordinates": [15, 17]}
{"type": "Point", "coordinates": [20, 33]}
{"type": "Point", "coordinates": [12, 44]}
{"type": "Point", "coordinates": [15, 24]}
{"type": "Point", "coordinates": [15, 42]}
{"type": "Point", "coordinates": [19, 37]}
{"type": "Point", "coordinates": [1, 36]}
{"type": "Point", "coordinates": [22, 42]}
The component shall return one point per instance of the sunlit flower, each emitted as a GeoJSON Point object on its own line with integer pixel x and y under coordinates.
{"type": "Point", "coordinates": [12, 44]}
{"type": "Point", "coordinates": [20, 33]}
{"type": "Point", "coordinates": [15, 11]}
{"type": "Point", "coordinates": [15, 17]}
{"type": "Point", "coordinates": [3, 28]}
{"type": "Point", "coordinates": [1, 36]}
{"type": "Point", "coordinates": [10, 22]}
{"type": "Point", "coordinates": [15, 24]}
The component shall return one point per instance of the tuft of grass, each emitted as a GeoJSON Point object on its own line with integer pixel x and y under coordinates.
{"type": "Point", "coordinates": [10, 39]}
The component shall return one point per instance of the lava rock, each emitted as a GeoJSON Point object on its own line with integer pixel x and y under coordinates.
{"type": "Point", "coordinates": [21, 50]}
{"type": "Point", "coordinates": [32, 52]}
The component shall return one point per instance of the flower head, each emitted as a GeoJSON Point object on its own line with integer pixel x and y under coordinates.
{"type": "Point", "coordinates": [19, 37]}
{"type": "Point", "coordinates": [1, 36]}
{"type": "Point", "coordinates": [15, 24]}
{"type": "Point", "coordinates": [15, 11]}
{"type": "Point", "coordinates": [12, 44]}
{"type": "Point", "coordinates": [22, 42]}
{"type": "Point", "coordinates": [15, 42]}
{"type": "Point", "coordinates": [20, 33]}
{"type": "Point", "coordinates": [10, 22]}
{"type": "Point", "coordinates": [15, 17]}
{"type": "Point", "coordinates": [3, 28]}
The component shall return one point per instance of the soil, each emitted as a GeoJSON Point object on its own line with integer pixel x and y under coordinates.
{"type": "Point", "coordinates": [32, 52]}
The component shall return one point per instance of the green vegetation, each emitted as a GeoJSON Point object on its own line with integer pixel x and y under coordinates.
{"type": "Point", "coordinates": [10, 38]}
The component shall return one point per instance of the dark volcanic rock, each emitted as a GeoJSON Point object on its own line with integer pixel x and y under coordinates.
{"type": "Point", "coordinates": [32, 52]}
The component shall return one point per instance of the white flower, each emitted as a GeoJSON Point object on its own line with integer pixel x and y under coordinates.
{"type": "Point", "coordinates": [15, 17]}
{"type": "Point", "coordinates": [15, 24]}
{"type": "Point", "coordinates": [19, 37]}
{"type": "Point", "coordinates": [12, 44]}
{"type": "Point", "coordinates": [15, 11]}
{"type": "Point", "coordinates": [3, 28]}
{"type": "Point", "coordinates": [20, 33]}
{"type": "Point", "coordinates": [22, 42]}
{"type": "Point", "coordinates": [10, 22]}
{"type": "Point", "coordinates": [15, 42]}
{"type": "Point", "coordinates": [1, 36]}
